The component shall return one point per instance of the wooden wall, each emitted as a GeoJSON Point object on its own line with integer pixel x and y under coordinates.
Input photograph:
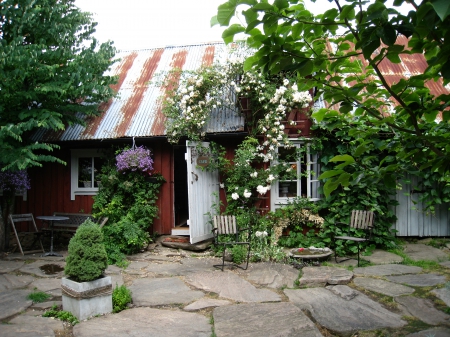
{"type": "Point", "coordinates": [50, 189]}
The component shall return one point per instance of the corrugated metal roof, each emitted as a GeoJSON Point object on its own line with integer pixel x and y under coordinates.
{"type": "Point", "coordinates": [136, 111]}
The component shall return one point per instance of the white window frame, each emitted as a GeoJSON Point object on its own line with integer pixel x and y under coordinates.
{"type": "Point", "coordinates": [74, 189]}
{"type": "Point", "coordinates": [312, 181]}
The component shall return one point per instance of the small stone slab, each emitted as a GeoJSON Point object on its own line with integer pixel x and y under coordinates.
{"type": "Point", "coordinates": [228, 285]}
{"type": "Point", "coordinates": [33, 269]}
{"type": "Point", "coordinates": [11, 281]}
{"type": "Point", "coordinates": [204, 303]}
{"type": "Point", "coordinates": [382, 287]}
{"type": "Point", "coordinates": [387, 269]}
{"type": "Point", "coordinates": [419, 251]}
{"type": "Point", "coordinates": [423, 309]}
{"type": "Point", "coordinates": [420, 280]}
{"type": "Point", "coordinates": [113, 270]}
{"type": "Point", "coordinates": [434, 332]}
{"type": "Point", "coordinates": [184, 267]}
{"type": "Point", "coordinates": [45, 305]}
{"type": "Point", "coordinates": [445, 264]}
{"type": "Point", "coordinates": [51, 286]}
{"type": "Point", "coordinates": [321, 276]}
{"type": "Point", "coordinates": [382, 257]}
{"type": "Point", "coordinates": [271, 275]}
{"type": "Point", "coordinates": [344, 316]}
{"type": "Point", "coordinates": [9, 266]}
{"type": "Point", "coordinates": [263, 319]}
{"type": "Point", "coordinates": [13, 302]}
{"type": "Point", "coordinates": [443, 294]}
{"type": "Point", "coordinates": [196, 247]}
{"type": "Point", "coordinates": [136, 268]}
{"type": "Point", "coordinates": [146, 322]}
{"type": "Point", "coordinates": [22, 320]}
{"type": "Point", "coordinates": [162, 291]}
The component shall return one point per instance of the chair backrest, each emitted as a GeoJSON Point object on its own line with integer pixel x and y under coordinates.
{"type": "Point", "coordinates": [22, 218]}
{"type": "Point", "coordinates": [225, 224]}
{"type": "Point", "coordinates": [362, 219]}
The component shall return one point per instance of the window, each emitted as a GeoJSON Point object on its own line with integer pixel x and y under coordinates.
{"type": "Point", "coordinates": [85, 166]}
{"type": "Point", "coordinates": [308, 171]}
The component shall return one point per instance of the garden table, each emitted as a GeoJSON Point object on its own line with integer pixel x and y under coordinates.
{"type": "Point", "coordinates": [50, 219]}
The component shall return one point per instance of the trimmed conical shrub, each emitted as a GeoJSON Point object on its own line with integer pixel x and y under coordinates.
{"type": "Point", "coordinates": [87, 259]}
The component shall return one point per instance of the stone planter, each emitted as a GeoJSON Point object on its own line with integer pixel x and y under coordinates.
{"type": "Point", "coordinates": [86, 299]}
{"type": "Point", "coordinates": [318, 254]}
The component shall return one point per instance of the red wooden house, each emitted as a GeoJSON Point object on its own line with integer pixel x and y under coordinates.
{"type": "Point", "coordinates": [135, 114]}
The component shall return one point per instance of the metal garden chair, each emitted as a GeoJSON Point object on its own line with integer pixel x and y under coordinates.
{"type": "Point", "coordinates": [360, 220]}
{"type": "Point", "coordinates": [226, 225]}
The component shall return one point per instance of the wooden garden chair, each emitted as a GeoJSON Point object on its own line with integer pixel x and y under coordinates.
{"type": "Point", "coordinates": [360, 220]}
{"type": "Point", "coordinates": [226, 225]}
{"type": "Point", "coordinates": [32, 230]}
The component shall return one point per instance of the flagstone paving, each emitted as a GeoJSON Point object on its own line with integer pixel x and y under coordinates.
{"type": "Point", "coordinates": [175, 294]}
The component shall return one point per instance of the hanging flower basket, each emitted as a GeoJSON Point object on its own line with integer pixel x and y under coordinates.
{"type": "Point", "coordinates": [135, 159]}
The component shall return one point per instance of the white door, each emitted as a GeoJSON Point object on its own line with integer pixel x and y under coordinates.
{"type": "Point", "coordinates": [203, 193]}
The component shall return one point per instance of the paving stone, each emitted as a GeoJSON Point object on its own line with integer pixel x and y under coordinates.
{"type": "Point", "coordinates": [263, 319]}
{"type": "Point", "coordinates": [382, 257]}
{"type": "Point", "coordinates": [13, 302]}
{"type": "Point", "coordinates": [271, 275]}
{"type": "Point", "coordinates": [185, 266]}
{"type": "Point", "coordinates": [418, 251]}
{"type": "Point", "coordinates": [113, 270]}
{"type": "Point", "coordinates": [34, 268]}
{"type": "Point", "coordinates": [382, 287]}
{"type": "Point", "coordinates": [50, 286]}
{"type": "Point", "coordinates": [9, 266]}
{"type": "Point", "coordinates": [45, 305]}
{"type": "Point", "coordinates": [445, 264]}
{"type": "Point", "coordinates": [388, 269]}
{"type": "Point", "coordinates": [11, 281]}
{"type": "Point", "coordinates": [443, 294]}
{"type": "Point", "coordinates": [146, 322]}
{"type": "Point", "coordinates": [22, 320]}
{"type": "Point", "coordinates": [116, 280]}
{"type": "Point", "coordinates": [162, 291]}
{"type": "Point", "coordinates": [434, 332]}
{"type": "Point", "coordinates": [423, 309]}
{"type": "Point", "coordinates": [204, 303]}
{"type": "Point", "coordinates": [228, 285]}
{"type": "Point", "coordinates": [420, 280]}
{"type": "Point", "coordinates": [343, 316]}
{"type": "Point", "coordinates": [321, 276]}
{"type": "Point", "coordinates": [136, 268]}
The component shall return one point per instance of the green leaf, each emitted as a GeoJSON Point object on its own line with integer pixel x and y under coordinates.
{"type": "Point", "coordinates": [442, 8]}
{"type": "Point", "coordinates": [331, 173]}
{"type": "Point", "coordinates": [281, 4]}
{"type": "Point", "coordinates": [263, 6]}
{"type": "Point", "coordinates": [345, 157]}
{"type": "Point", "coordinates": [229, 33]}
{"type": "Point", "coordinates": [305, 68]}
{"type": "Point", "coordinates": [225, 12]}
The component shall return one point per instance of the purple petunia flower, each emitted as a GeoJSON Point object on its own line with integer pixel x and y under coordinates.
{"type": "Point", "coordinates": [14, 180]}
{"type": "Point", "coordinates": [135, 159]}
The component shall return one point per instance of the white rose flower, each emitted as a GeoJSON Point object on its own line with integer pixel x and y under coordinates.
{"type": "Point", "coordinates": [247, 194]}
{"type": "Point", "coordinates": [235, 196]}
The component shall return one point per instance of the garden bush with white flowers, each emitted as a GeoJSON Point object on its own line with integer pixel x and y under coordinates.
{"type": "Point", "coordinates": [256, 165]}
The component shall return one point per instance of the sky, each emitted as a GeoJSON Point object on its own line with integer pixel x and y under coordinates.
{"type": "Point", "coordinates": [145, 24]}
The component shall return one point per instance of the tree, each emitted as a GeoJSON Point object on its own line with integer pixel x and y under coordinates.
{"type": "Point", "coordinates": [339, 54]}
{"type": "Point", "coordinates": [51, 76]}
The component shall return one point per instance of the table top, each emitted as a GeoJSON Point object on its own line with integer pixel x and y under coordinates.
{"type": "Point", "coordinates": [52, 217]}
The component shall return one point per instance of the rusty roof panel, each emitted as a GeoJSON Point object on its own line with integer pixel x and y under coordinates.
{"type": "Point", "coordinates": [137, 109]}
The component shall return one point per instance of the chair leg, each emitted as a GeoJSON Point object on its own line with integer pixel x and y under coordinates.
{"type": "Point", "coordinates": [248, 257]}
{"type": "Point", "coordinates": [358, 253]}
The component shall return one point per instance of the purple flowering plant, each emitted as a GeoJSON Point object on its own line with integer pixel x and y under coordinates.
{"type": "Point", "coordinates": [135, 159]}
{"type": "Point", "coordinates": [14, 180]}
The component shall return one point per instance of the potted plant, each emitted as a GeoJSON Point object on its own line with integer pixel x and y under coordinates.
{"type": "Point", "coordinates": [85, 290]}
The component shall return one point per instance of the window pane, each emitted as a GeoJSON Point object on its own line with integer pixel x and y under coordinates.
{"type": "Point", "coordinates": [287, 154]}
{"type": "Point", "coordinates": [287, 189]}
{"type": "Point", "coordinates": [84, 172]}
{"type": "Point", "coordinates": [98, 163]}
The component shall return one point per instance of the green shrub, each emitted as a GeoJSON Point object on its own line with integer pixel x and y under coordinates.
{"type": "Point", "coordinates": [61, 314]}
{"type": "Point", "coordinates": [86, 259]}
{"type": "Point", "coordinates": [38, 296]}
{"type": "Point", "coordinates": [121, 296]}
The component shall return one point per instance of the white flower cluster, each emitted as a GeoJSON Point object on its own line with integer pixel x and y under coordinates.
{"type": "Point", "coordinates": [260, 234]}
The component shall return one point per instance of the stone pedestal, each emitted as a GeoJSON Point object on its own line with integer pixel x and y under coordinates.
{"type": "Point", "coordinates": [87, 299]}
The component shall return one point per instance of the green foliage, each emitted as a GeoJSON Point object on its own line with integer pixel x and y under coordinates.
{"type": "Point", "coordinates": [129, 201]}
{"type": "Point", "coordinates": [51, 75]}
{"type": "Point", "coordinates": [121, 296]}
{"type": "Point", "coordinates": [239, 253]}
{"type": "Point", "coordinates": [61, 314]}
{"type": "Point", "coordinates": [86, 256]}
{"type": "Point", "coordinates": [38, 296]}
{"type": "Point", "coordinates": [288, 38]}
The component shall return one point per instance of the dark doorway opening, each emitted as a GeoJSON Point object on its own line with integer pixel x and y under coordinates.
{"type": "Point", "coordinates": [181, 187]}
